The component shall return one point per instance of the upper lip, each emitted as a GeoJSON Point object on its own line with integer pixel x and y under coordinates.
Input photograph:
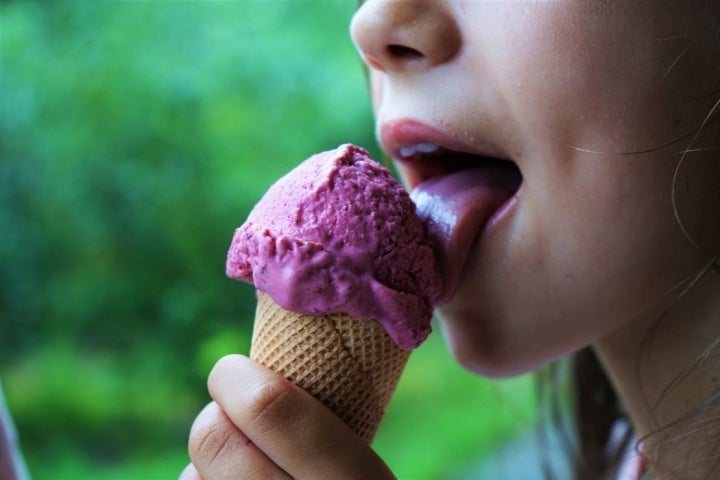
{"type": "Point", "coordinates": [418, 147]}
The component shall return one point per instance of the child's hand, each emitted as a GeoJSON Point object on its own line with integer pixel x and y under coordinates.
{"type": "Point", "coordinates": [262, 426]}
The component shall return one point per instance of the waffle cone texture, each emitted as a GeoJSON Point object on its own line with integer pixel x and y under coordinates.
{"type": "Point", "coordinates": [351, 365]}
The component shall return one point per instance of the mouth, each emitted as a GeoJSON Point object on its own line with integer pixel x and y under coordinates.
{"type": "Point", "coordinates": [461, 189]}
{"type": "Point", "coordinates": [421, 162]}
{"type": "Point", "coordinates": [423, 153]}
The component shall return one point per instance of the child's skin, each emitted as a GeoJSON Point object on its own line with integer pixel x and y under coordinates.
{"type": "Point", "coordinates": [593, 100]}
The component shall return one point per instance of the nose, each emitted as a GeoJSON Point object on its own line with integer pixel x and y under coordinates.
{"type": "Point", "coordinates": [398, 35]}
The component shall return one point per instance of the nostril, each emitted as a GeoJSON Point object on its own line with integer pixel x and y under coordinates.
{"type": "Point", "coordinates": [401, 52]}
{"type": "Point", "coordinates": [394, 34]}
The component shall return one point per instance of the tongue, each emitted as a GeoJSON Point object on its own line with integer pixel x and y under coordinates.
{"type": "Point", "coordinates": [456, 207]}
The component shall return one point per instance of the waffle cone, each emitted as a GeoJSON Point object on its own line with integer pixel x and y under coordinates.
{"type": "Point", "coordinates": [350, 365]}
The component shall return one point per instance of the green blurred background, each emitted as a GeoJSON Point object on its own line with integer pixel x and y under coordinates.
{"type": "Point", "coordinates": [134, 137]}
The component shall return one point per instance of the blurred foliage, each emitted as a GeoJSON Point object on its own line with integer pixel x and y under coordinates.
{"type": "Point", "coordinates": [134, 138]}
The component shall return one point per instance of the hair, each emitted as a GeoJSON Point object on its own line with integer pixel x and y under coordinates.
{"type": "Point", "coordinates": [578, 412]}
{"type": "Point", "coordinates": [596, 409]}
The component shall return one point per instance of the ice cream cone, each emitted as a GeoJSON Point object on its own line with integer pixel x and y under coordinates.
{"type": "Point", "coordinates": [349, 364]}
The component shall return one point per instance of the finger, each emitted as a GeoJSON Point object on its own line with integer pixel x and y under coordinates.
{"type": "Point", "coordinates": [291, 427]}
{"type": "Point", "coordinates": [219, 450]}
{"type": "Point", "coordinates": [190, 473]}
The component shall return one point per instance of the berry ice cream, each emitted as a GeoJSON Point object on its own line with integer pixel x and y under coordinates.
{"type": "Point", "coordinates": [338, 234]}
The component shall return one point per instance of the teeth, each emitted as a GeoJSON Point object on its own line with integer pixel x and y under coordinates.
{"type": "Point", "coordinates": [410, 150]}
{"type": "Point", "coordinates": [426, 147]}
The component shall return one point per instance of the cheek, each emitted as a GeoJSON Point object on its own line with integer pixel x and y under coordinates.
{"type": "Point", "coordinates": [610, 243]}
{"type": "Point", "coordinates": [376, 88]}
{"type": "Point", "coordinates": [696, 194]}
{"type": "Point", "coordinates": [579, 261]}
{"type": "Point", "coordinates": [572, 72]}
{"type": "Point", "coordinates": [595, 242]}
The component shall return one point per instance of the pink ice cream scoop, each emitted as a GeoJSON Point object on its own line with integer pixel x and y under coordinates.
{"type": "Point", "coordinates": [338, 234]}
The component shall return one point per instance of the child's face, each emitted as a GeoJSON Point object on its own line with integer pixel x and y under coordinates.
{"type": "Point", "coordinates": [592, 100]}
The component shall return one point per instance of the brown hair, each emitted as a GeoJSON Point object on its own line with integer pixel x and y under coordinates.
{"type": "Point", "coordinates": [596, 408]}
{"type": "Point", "coordinates": [578, 408]}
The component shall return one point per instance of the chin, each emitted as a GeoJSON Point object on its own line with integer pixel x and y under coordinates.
{"type": "Point", "coordinates": [484, 353]}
